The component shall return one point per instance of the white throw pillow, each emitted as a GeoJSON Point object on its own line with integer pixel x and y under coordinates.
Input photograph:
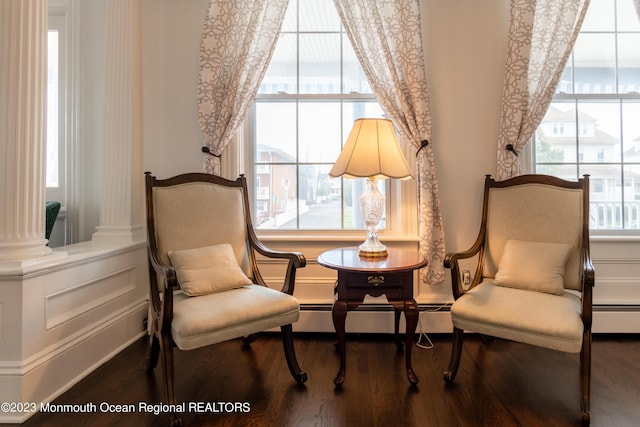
{"type": "Point", "coordinates": [535, 266]}
{"type": "Point", "coordinates": [202, 271]}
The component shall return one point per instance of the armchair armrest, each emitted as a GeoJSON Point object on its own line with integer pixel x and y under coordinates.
{"type": "Point", "coordinates": [296, 260]}
{"type": "Point", "coordinates": [162, 308]}
{"type": "Point", "coordinates": [166, 272]}
{"type": "Point", "coordinates": [588, 282]}
{"type": "Point", "coordinates": [451, 262]}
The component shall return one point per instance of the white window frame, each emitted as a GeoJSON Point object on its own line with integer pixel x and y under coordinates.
{"type": "Point", "coordinates": [64, 17]}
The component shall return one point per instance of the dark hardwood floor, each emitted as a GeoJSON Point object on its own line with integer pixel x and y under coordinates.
{"type": "Point", "coordinates": [499, 384]}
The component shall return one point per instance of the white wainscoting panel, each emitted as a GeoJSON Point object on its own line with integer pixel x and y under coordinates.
{"type": "Point", "coordinates": [72, 302]}
{"type": "Point", "coordinates": [66, 315]}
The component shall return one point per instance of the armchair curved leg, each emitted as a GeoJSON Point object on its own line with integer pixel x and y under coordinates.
{"type": "Point", "coordinates": [153, 353]}
{"type": "Point", "coordinates": [585, 377]}
{"type": "Point", "coordinates": [290, 354]}
{"type": "Point", "coordinates": [166, 347]}
{"type": "Point", "coordinates": [456, 352]}
{"type": "Point", "coordinates": [246, 341]}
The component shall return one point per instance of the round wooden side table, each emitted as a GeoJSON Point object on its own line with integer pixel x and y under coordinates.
{"type": "Point", "coordinates": [391, 276]}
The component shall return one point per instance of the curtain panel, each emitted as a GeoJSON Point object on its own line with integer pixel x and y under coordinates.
{"type": "Point", "coordinates": [541, 36]}
{"type": "Point", "coordinates": [238, 40]}
{"type": "Point", "coordinates": [387, 38]}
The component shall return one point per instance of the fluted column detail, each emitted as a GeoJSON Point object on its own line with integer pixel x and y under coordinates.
{"type": "Point", "coordinates": [23, 85]}
{"type": "Point", "coordinates": [121, 204]}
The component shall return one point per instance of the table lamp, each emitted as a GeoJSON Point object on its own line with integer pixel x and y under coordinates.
{"type": "Point", "coordinates": [371, 152]}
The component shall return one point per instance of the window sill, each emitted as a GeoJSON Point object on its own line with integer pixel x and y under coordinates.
{"type": "Point", "coordinates": [614, 236]}
{"type": "Point", "coordinates": [330, 236]}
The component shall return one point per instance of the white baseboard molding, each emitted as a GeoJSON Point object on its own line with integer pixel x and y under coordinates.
{"type": "Point", "coordinates": [616, 319]}
{"type": "Point", "coordinates": [437, 319]}
{"type": "Point", "coordinates": [374, 319]}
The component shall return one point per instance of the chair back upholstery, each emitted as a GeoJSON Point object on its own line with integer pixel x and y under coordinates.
{"type": "Point", "coordinates": [197, 210]}
{"type": "Point", "coordinates": [536, 208]}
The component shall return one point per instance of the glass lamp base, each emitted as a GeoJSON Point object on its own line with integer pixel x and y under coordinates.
{"type": "Point", "coordinates": [372, 206]}
{"type": "Point", "coordinates": [372, 248]}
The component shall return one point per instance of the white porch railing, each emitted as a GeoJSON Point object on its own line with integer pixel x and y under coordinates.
{"type": "Point", "coordinates": [614, 215]}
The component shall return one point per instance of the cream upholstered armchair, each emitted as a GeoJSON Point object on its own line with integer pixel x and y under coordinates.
{"type": "Point", "coordinates": [533, 281]}
{"type": "Point", "coordinates": [205, 286]}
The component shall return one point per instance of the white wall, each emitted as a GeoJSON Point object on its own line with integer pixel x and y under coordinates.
{"type": "Point", "coordinates": [466, 46]}
{"type": "Point", "coordinates": [171, 32]}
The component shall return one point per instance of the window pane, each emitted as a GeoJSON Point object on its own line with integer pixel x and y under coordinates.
{"type": "Point", "coordinates": [275, 140]}
{"type": "Point", "coordinates": [322, 198]}
{"type": "Point", "coordinates": [631, 192]}
{"type": "Point", "coordinates": [595, 63]}
{"type": "Point", "coordinates": [631, 131]}
{"type": "Point", "coordinates": [290, 22]}
{"type": "Point", "coordinates": [605, 196]}
{"type": "Point", "coordinates": [627, 16]}
{"type": "Point", "coordinates": [276, 202]}
{"type": "Point", "coordinates": [629, 63]}
{"type": "Point", "coordinates": [565, 84]}
{"type": "Point", "coordinates": [599, 131]}
{"type": "Point", "coordinates": [318, 16]}
{"type": "Point", "coordinates": [350, 204]}
{"type": "Point", "coordinates": [556, 136]}
{"type": "Point", "coordinates": [320, 139]}
{"type": "Point", "coordinates": [568, 171]}
{"type": "Point", "coordinates": [320, 63]}
{"type": "Point", "coordinates": [281, 76]}
{"type": "Point", "coordinates": [354, 80]}
{"type": "Point", "coordinates": [53, 83]}
{"type": "Point", "coordinates": [352, 111]}
{"type": "Point", "coordinates": [600, 16]}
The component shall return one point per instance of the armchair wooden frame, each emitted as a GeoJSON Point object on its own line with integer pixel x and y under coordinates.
{"type": "Point", "coordinates": [586, 280]}
{"type": "Point", "coordinates": [163, 282]}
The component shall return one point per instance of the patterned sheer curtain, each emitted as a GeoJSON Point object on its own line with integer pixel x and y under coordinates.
{"type": "Point", "coordinates": [387, 38]}
{"type": "Point", "coordinates": [541, 36]}
{"type": "Point", "coordinates": [238, 40]}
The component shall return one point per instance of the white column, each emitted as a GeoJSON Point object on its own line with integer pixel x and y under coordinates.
{"type": "Point", "coordinates": [122, 177]}
{"type": "Point", "coordinates": [23, 85]}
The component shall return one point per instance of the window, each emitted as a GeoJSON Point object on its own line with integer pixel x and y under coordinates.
{"type": "Point", "coordinates": [60, 135]}
{"type": "Point", "coordinates": [312, 92]}
{"type": "Point", "coordinates": [598, 105]}
{"type": "Point", "coordinates": [56, 55]}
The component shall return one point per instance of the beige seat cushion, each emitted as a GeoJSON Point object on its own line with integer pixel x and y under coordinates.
{"type": "Point", "coordinates": [212, 318]}
{"type": "Point", "coordinates": [541, 319]}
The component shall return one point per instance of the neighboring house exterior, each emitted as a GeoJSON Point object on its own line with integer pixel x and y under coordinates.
{"type": "Point", "coordinates": [598, 154]}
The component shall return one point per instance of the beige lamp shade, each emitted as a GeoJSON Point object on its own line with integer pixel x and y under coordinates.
{"type": "Point", "coordinates": [372, 150]}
